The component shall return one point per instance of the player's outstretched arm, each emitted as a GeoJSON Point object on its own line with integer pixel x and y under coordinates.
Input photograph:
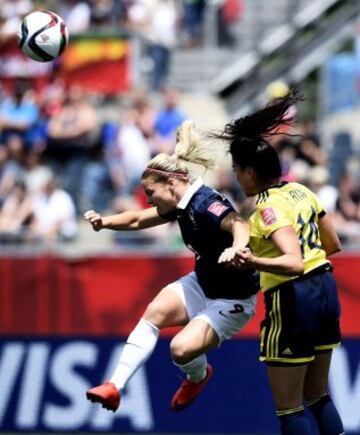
{"type": "Point", "coordinates": [288, 263]}
{"type": "Point", "coordinates": [125, 221]}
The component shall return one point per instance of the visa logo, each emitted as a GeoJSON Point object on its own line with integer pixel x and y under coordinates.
{"type": "Point", "coordinates": [43, 384]}
{"type": "Point", "coordinates": [47, 384]}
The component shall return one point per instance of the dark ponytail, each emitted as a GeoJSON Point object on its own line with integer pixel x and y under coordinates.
{"type": "Point", "coordinates": [249, 137]}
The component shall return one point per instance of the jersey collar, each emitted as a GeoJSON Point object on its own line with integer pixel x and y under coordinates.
{"type": "Point", "coordinates": [275, 186]}
{"type": "Point", "coordinates": [184, 201]}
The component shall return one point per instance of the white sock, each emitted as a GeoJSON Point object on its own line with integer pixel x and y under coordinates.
{"type": "Point", "coordinates": [195, 369]}
{"type": "Point", "coordinates": [138, 348]}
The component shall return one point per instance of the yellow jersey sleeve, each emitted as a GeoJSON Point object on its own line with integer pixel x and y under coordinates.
{"type": "Point", "coordinates": [270, 217]}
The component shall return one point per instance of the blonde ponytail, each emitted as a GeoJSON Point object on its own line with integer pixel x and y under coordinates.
{"type": "Point", "coordinates": [188, 146]}
{"type": "Point", "coordinates": [187, 150]}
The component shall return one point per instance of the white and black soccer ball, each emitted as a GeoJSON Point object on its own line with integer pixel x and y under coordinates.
{"type": "Point", "coordinates": [43, 36]}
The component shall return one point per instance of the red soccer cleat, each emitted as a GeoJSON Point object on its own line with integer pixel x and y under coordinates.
{"type": "Point", "coordinates": [106, 394]}
{"type": "Point", "coordinates": [189, 391]}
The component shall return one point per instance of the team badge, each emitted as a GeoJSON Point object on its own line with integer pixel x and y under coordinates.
{"type": "Point", "coordinates": [268, 216]}
{"type": "Point", "coordinates": [217, 208]}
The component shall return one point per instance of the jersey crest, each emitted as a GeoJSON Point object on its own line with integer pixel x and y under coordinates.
{"type": "Point", "coordinates": [268, 216]}
{"type": "Point", "coordinates": [217, 208]}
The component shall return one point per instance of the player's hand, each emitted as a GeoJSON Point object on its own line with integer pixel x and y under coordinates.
{"type": "Point", "coordinates": [95, 219]}
{"type": "Point", "coordinates": [243, 259]}
{"type": "Point", "coordinates": [227, 256]}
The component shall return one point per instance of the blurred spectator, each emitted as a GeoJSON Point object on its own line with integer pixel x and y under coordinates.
{"type": "Point", "coordinates": [71, 134]}
{"type": "Point", "coordinates": [156, 21]}
{"type": "Point", "coordinates": [167, 121]}
{"type": "Point", "coordinates": [128, 156]}
{"type": "Point", "coordinates": [229, 12]}
{"type": "Point", "coordinates": [53, 215]}
{"type": "Point", "coordinates": [35, 172]}
{"type": "Point", "coordinates": [341, 153]}
{"type": "Point", "coordinates": [19, 114]}
{"type": "Point", "coordinates": [52, 95]}
{"type": "Point", "coordinates": [3, 35]}
{"type": "Point", "coordinates": [2, 93]}
{"type": "Point", "coordinates": [15, 214]}
{"type": "Point", "coordinates": [10, 173]}
{"type": "Point", "coordinates": [308, 129]}
{"type": "Point", "coordinates": [287, 155]}
{"type": "Point", "coordinates": [76, 15]}
{"type": "Point", "coordinates": [193, 21]}
{"type": "Point", "coordinates": [227, 185]}
{"type": "Point", "coordinates": [16, 149]}
{"type": "Point", "coordinates": [297, 165]}
{"type": "Point", "coordinates": [310, 152]}
{"type": "Point", "coordinates": [349, 198]}
{"type": "Point", "coordinates": [11, 14]}
{"type": "Point", "coordinates": [347, 213]}
{"type": "Point", "coordinates": [298, 172]}
{"type": "Point", "coordinates": [146, 114]}
{"type": "Point", "coordinates": [97, 189]}
{"type": "Point", "coordinates": [104, 13]}
{"type": "Point", "coordinates": [232, 10]}
{"type": "Point", "coordinates": [318, 183]}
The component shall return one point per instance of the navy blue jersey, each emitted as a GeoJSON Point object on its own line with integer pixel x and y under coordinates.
{"type": "Point", "coordinates": [199, 215]}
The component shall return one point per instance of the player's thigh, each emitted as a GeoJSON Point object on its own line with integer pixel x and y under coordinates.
{"type": "Point", "coordinates": [227, 317]}
{"type": "Point", "coordinates": [316, 380]}
{"type": "Point", "coordinates": [166, 309]}
{"type": "Point", "coordinates": [196, 338]}
{"type": "Point", "coordinates": [287, 383]}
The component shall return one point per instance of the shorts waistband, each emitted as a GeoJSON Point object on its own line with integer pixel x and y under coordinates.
{"type": "Point", "coordinates": [327, 267]}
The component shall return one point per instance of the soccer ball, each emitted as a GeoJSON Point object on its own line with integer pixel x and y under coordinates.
{"type": "Point", "coordinates": [43, 36]}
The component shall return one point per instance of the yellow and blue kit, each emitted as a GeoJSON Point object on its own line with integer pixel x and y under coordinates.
{"type": "Point", "coordinates": [302, 312]}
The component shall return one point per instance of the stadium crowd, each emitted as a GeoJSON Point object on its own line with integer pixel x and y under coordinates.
{"type": "Point", "coordinates": [186, 16]}
{"type": "Point", "coordinates": [161, 24]}
{"type": "Point", "coordinates": [60, 155]}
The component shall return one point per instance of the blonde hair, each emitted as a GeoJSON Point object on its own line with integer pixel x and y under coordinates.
{"type": "Point", "coordinates": [187, 150]}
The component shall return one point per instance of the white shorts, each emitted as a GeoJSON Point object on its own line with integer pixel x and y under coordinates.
{"type": "Point", "coordinates": [226, 316]}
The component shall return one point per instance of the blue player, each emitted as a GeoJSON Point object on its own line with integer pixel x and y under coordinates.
{"type": "Point", "coordinates": [212, 303]}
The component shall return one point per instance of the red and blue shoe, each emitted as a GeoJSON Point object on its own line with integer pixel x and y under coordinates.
{"type": "Point", "coordinates": [106, 394]}
{"type": "Point", "coordinates": [189, 391]}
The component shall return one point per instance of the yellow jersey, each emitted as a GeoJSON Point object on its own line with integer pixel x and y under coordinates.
{"type": "Point", "coordinates": [280, 206]}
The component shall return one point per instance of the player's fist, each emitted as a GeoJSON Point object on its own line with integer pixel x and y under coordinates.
{"type": "Point", "coordinates": [243, 258]}
{"type": "Point", "coordinates": [227, 256]}
{"type": "Point", "coordinates": [95, 219]}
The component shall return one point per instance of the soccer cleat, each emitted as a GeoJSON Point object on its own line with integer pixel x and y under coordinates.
{"type": "Point", "coordinates": [189, 391]}
{"type": "Point", "coordinates": [106, 394]}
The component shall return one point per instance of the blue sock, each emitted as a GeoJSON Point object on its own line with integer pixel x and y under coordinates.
{"type": "Point", "coordinates": [326, 416]}
{"type": "Point", "coordinates": [294, 422]}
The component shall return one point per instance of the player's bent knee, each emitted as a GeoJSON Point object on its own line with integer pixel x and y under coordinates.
{"type": "Point", "coordinates": [180, 351]}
